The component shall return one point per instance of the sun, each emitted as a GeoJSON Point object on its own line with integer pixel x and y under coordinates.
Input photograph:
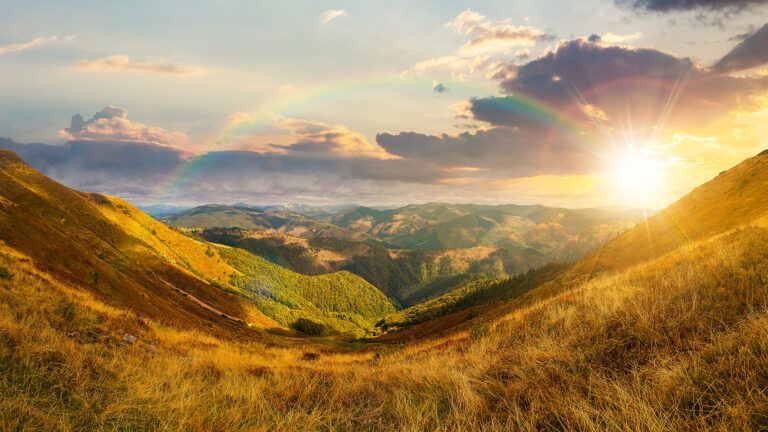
{"type": "Point", "coordinates": [636, 178]}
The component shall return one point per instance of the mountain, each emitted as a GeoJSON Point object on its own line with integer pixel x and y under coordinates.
{"type": "Point", "coordinates": [412, 251]}
{"type": "Point", "coordinates": [314, 211]}
{"type": "Point", "coordinates": [734, 198]}
{"type": "Point", "coordinates": [159, 211]}
{"type": "Point", "coordinates": [116, 251]}
{"type": "Point", "coordinates": [737, 199]}
{"type": "Point", "coordinates": [557, 232]}
{"type": "Point", "coordinates": [250, 218]}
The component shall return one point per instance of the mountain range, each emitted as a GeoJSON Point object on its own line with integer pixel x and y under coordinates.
{"type": "Point", "coordinates": [411, 252]}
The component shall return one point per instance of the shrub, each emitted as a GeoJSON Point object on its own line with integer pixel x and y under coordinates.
{"type": "Point", "coordinates": [5, 274]}
{"type": "Point", "coordinates": [309, 327]}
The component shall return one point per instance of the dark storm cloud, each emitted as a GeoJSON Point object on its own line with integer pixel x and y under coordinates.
{"type": "Point", "coordinates": [749, 53]}
{"type": "Point", "coordinates": [585, 80]}
{"type": "Point", "coordinates": [120, 168]}
{"type": "Point", "coordinates": [510, 152]}
{"type": "Point", "coordinates": [138, 170]}
{"type": "Point", "coordinates": [684, 5]}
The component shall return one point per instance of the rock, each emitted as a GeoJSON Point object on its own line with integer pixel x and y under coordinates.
{"type": "Point", "coordinates": [151, 348]}
{"type": "Point", "coordinates": [129, 338]}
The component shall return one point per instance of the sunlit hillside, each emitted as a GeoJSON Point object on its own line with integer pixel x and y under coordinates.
{"type": "Point", "coordinates": [125, 256]}
{"type": "Point", "coordinates": [733, 198]}
{"type": "Point", "coordinates": [675, 343]}
{"type": "Point", "coordinates": [679, 343]}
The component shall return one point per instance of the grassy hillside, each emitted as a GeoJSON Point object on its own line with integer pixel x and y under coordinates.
{"type": "Point", "coordinates": [680, 343]}
{"type": "Point", "coordinates": [731, 199]}
{"type": "Point", "coordinates": [68, 234]}
{"type": "Point", "coordinates": [111, 248]}
{"type": "Point", "coordinates": [468, 295]}
{"type": "Point", "coordinates": [316, 305]}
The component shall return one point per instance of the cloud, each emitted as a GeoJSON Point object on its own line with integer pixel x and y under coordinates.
{"type": "Point", "coordinates": [457, 64]}
{"type": "Point", "coordinates": [750, 52]}
{"type": "Point", "coordinates": [684, 5]}
{"type": "Point", "coordinates": [614, 39]}
{"type": "Point", "coordinates": [309, 138]}
{"type": "Point", "coordinates": [138, 171]}
{"type": "Point", "coordinates": [120, 168]}
{"type": "Point", "coordinates": [490, 41]}
{"type": "Point", "coordinates": [567, 113]}
{"type": "Point", "coordinates": [438, 87]}
{"type": "Point", "coordinates": [314, 138]}
{"type": "Point", "coordinates": [332, 14]}
{"type": "Point", "coordinates": [523, 54]}
{"type": "Point", "coordinates": [619, 84]}
{"type": "Point", "coordinates": [123, 62]}
{"type": "Point", "coordinates": [35, 43]}
{"type": "Point", "coordinates": [489, 35]}
{"type": "Point", "coordinates": [510, 152]}
{"type": "Point", "coordinates": [112, 124]}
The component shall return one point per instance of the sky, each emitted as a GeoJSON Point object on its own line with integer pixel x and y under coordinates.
{"type": "Point", "coordinates": [575, 104]}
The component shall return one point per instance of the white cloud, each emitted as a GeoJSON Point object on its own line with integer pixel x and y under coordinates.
{"type": "Point", "coordinates": [123, 62]}
{"type": "Point", "coordinates": [112, 124]}
{"type": "Point", "coordinates": [37, 42]}
{"type": "Point", "coordinates": [613, 38]}
{"type": "Point", "coordinates": [490, 42]}
{"type": "Point", "coordinates": [332, 14]}
{"type": "Point", "coordinates": [494, 36]}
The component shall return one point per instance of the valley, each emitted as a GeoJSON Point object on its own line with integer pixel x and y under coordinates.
{"type": "Point", "coordinates": [414, 252]}
{"type": "Point", "coordinates": [125, 318]}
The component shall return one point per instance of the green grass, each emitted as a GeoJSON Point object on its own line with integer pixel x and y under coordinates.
{"type": "Point", "coordinates": [436, 285]}
{"type": "Point", "coordinates": [473, 293]}
{"type": "Point", "coordinates": [342, 303]}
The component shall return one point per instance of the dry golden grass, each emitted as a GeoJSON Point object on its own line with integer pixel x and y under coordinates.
{"type": "Point", "coordinates": [169, 244]}
{"type": "Point", "coordinates": [679, 343]}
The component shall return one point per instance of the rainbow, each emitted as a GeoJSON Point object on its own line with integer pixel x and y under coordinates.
{"type": "Point", "coordinates": [536, 110]}
{"type": "Point", "coordinates": [294, 104]}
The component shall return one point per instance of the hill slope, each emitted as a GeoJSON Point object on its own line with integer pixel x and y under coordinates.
{"type": "Point", "coordinates": [736, 198]}
{"type": "Point", "coordinates": [733, 198]}
{"type": "Point", "coordinates": [109, 247]}
{"type": "Point", "coordinates": [679, 343]}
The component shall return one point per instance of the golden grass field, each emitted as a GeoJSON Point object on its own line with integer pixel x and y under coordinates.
{"type": "Point", "coordinates": [678, 343]}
